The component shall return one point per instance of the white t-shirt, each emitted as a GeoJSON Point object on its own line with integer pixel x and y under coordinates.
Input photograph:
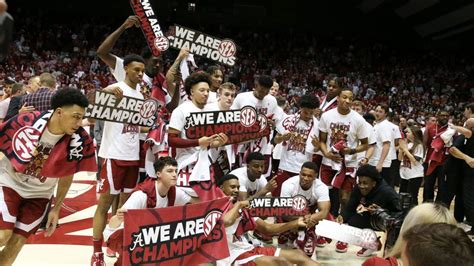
{"type": "Point", "coordinates": [267, 106]}
{"type": "Point", "coordinates": [351, 128]}
{"type": "Point", "coordinates": [178, 121]}
{"type": "Point", "coordinates": [409, 170]}
{"type": "Point", "coordinates": [395, 135]}
{"type": "Point", "coordinates": [121, 141]}
{"type": "Point", "coordinates": [29, 186]}
{"type": "Point", "coordinates": [119, 75]}
{"type": "Point", "coordinates": [4, 107]}
{"type": "Point", "coordinates": [245, 184]}
{"type": "Point", "coordinates": [371, 140]}
{"type": "Point", "coordinates": [383, 133]}
{"type": "Point", "coordinates": [212, 97]}
{"type": "Point", "coordinates": [299, 149]}
{"type": "Point", "coordinates": [318, 192]}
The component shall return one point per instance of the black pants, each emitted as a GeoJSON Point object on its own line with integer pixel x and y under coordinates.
{"type": "Point", "coordinates": [395, 170]}
{"type": "Point", "coordinates": [454, 189]}
{"type": "Point", "coordinates": [430, 181]}
{"type": "Point", "coordinates": [387, 175]}
{"type": "Point", "coordinates": [360, 221]}
{"type": "Point", "coordinates": [411, 186]}
{"type": "Point", "coordinates": [468, 195]}
{"type": "Point", "coordinates": [334, 199]}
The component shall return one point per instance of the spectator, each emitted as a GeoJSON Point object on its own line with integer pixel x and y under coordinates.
{"type": "Point", "coordinates": [41, 99]}
{"type": "Point", "coordinates": [425, 213]}
{"type": "Point", "coordinates": [437, 244]}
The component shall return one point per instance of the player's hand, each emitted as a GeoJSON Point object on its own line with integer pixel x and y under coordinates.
{"type": "Point", "coordinates": [379, 167]}
{"type": "Point", "coordinates": [346, 150]}
{"type": "Point", "coordinates": [219, 140]}
{"type": "Point", "coordinates": [206, 141]}
{"type": "Point", "coordinates": [271, 185]}
{"type": "Point", "coordinates": [131, 21]}
{"type": "Point", "coordinates": [121, 214]}
{"type": "Point", "coordinates": [244, 204]}
{"type": "Point", "coordinates": [301, 222]}
{"type": "Point", "coordinates": [334, 157]}
{"type": "Point", "coordinates": [470, 162]}
{"type": "Point", "coordinates": [372, 208]}
{"type": "Point", "coordinates": [115, 90]}
{"type": "Point", "coordinates": [183, 54]}
{"type": "Point", "coordinates": [363, 161]}
{"type": "Point", "coordinates": [53, 218]}
{"type": "Point", "coordinates": [339, 219]}
{"type": "Point", "coordinates": [315, 141]}
{"type": "Point", "coordinates": [26, 109]}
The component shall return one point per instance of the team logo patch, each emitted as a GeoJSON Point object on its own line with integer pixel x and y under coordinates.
{"type": "Point", "coordinates": [210, 221]}
{"type": "Point", "coordinates": [24, 142]}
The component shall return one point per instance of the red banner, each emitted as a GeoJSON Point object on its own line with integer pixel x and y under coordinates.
{"type": "Point", "coordinates": [183, 235]}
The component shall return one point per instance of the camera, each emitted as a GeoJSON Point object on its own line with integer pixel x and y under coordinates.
{"type": "Point", "coordinates": [391, 223]}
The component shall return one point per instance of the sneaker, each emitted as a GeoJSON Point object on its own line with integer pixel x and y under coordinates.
{"type": "Point", "coordinates": [321, 242]}
{"type": "Point", "coordinates": [110, 253]}
{"type": "Point", "coordinates": [341, 247]}
{"type": "Point", "coordinates": [365, 252]}
{"type": "Point", "coordinates": [306, 242]}
{"type": "Point", "coordinates": [97, 259]}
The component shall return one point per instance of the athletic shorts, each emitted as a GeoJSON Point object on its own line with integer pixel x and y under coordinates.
{"type": "Point", "coordinates": [248, 258]}
{"type": "Point", "coordinates": [118, 176]}
{"type": "Point", "coordinates": [327, 174]}
{"type": "Point", "coordinates": [282, 176]}
{"type": "Point", "coordinates": [19, 214]}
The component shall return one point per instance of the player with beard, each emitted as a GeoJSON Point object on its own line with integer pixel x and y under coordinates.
{"type": "Point", "coordinates": [238, 221]}
{"type": "Point", "coordinates": [187, 150]}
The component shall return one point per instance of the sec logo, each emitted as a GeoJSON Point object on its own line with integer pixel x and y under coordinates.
{"type": "Point", "coordinates": [210, 221]}
{"type": "Point", "coordinates": [227, 48]}
{"type": "Point", "coordinates": [248, 116]}
{"type": "Point", "coordinates": [299, 203]}
{"type": "Point", "coordinates": [162, 43]}
{"type": "Point", "coordinates": [24, 142]}
{"type": "Point", "coordinates": [149, 108]}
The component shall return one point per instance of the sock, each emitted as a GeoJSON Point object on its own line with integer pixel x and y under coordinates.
{"type": "Point", "coordinates": [97, 245]}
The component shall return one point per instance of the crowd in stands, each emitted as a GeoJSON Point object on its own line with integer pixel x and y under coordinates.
{"type": "Point", "coordinates": [414, 85]}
